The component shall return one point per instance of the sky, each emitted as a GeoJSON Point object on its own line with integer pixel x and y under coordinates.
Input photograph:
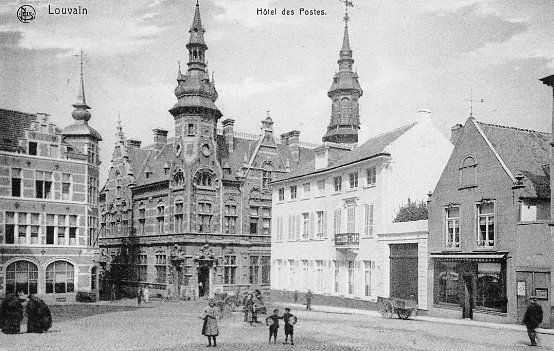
{"type": "Point", "coordinates": [409, 55]}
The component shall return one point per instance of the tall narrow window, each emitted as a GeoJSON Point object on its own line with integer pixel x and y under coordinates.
{"type": "Point", "coordinates": [293, 190]}
{"type": "Point", "coordinates": [353, 180]}
{"type": "Point", "coordinates": [161, 267]}
{"type": "Point", "coordinates": [35, 225]}
{"type": "Point", "coordinates": [351, 277]}
{"type": "Point", "coordinates": [66, 186]}
{"type": "Point", "coordinates": [351, 219]}
{"type": "Point", "coordinates": [142, 266]}
{"type": "Point", "coordinates": [306, 193]}
{"type": "Point", "coordinates": [179, 217]}
{"type": "Point", "coordinates": [161, 219]}
{"type": "Point", "coordinates": [368, 220]}
{"type": "Point", "coordinates": [72, 230]}
{"type": "Point", "coordinates": [281, 194]}
{"type": "Point", "coordinates": [50, 227]}
{"type": "Point", "coordinates": [452, 227]}
{"type": "Point", "coordinates": [368, 270]}
{"type": "Point", "coordinates": [321, 187]}
{"type": "Point", "coordinates": [371, 176]}
{"type": "Point", "coordinates": [10, 228]}
{"type": "Point", "coordinates": [337, 221]}
{"type": "Point", "coordinates": [229, 269]}
{"type": "Point", "coordinates": [204, 217]}
{"type": "Point", "coordinates": [43, 185]}
{"type": "Point", "coordinates": [337, 183]}
{"type": "Point", "coordinates": [16, 182]}
{"type": "Point", "coordinates": [267, 175]}
{"type": "Point", "coordinates": [32, 148]}
{"type": "Point", "coordinates": [254, 269]}
{"type": "Point", "coordinates": [485, 224]}
{"type": "Point", "coordinates": [305, 225]}
{"type": "Point", "coordinates": [142, 220]}
{"type": "Point", "coordinates": [22, 228]}
{"type": "Point", "coordinates": [266, 267]}
{"type": "Point", "coordinates": [230, 219]}
{"type": "Point", "coordinates": [62, 225]}
{"type": "Point", "coordinates": [468, 172]}
{"type": "Point", "coordinates": [321, 223]}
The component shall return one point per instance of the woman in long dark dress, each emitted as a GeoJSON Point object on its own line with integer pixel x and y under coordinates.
{"type": "Point", "coordinates": [11, 314]}
{"type": "Point", "coordinates": [209, 328]}
{"type": "Point", "coordinates": [39, 318]}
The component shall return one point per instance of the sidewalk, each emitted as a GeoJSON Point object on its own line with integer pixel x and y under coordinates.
{"type": "Point", "coordinates": [467, 322]}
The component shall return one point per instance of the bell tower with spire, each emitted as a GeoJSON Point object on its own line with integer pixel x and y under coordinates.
{"type": "Point", "coordinates": [344, 94]}
{"type": "Point", "coordinates": [195, 112]}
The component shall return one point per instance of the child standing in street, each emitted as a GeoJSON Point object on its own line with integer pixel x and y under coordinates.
{"type": "Point", "coordinates": [273, 322]}
{"type": "Point", "coordinates": [290, 321]}
{"type": "Point", "coordinates": [209, 328]}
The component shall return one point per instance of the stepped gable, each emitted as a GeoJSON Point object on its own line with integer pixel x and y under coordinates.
{"type": "Point", "coordinates": [12, 128]}
{"type": "Point", "coordinates": [523, 151]}
{"type": "Point", "coordinates": [371, 148]}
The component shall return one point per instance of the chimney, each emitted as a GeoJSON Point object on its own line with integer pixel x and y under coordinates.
{"type": "Point", "coordinates": [293, 142]}
{"type": "Point", "coordinates": [550, 82]}
{"type": "Point", "coordinates": [160, 138]}
{"type": "Point", "coordinates": [228, 133]}
{"type": "Point", "coordinates": [456, 131]}
{"type": "Point", "coordinates": [134, 143]}
{"type": "Point", "coordinates": [285, 138]}
{"type": "Point", "coordinates": [423, 115]}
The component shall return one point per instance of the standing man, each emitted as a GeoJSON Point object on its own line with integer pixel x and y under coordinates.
{"type": "Point", "coordinates": [309, 300]}
{"type": "Point", "coordinates": [532, 319]}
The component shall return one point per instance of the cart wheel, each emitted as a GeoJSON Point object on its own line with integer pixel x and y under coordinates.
{"type": "Point", "coordinates": [385, 308]}
{"type": "Point", "coordinates": [403, 313]}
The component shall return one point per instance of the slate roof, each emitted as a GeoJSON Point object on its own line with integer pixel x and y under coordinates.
{"type": "Point", "coordinates": [371, 148]}
{"type": "Point", "coordinates": [523, 151]}
{"type": "Point", "coordinates": [148, 159]}
{"type": "Point", "coordinates": [12, 126]}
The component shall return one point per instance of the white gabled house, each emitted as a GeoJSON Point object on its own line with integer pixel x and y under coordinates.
{"type": "Point", "coordinates": [333, 229]}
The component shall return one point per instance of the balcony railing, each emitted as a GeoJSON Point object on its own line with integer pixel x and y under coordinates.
{"type": "Point", "coordinates": [347, 239]}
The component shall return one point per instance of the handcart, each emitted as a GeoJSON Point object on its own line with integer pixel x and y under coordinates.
{"type": "Point", "coordinates": [388, 306]}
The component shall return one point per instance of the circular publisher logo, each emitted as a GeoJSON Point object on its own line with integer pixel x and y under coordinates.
{"type": "Point", "coordinates": [26, 13]}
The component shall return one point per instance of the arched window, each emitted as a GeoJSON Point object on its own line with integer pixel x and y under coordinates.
{"type": "Point", "coordinates": [60, 277]}
{"type": "Point", "coordinates": [204, 178]}
{"type": "Point", "coordinates": [179, 178]}
{"type": "Point", "coordinates": [344, 109]}
{"type": "Point", "coordinates": [21, 276]}
{"type": "Point", "coordinates": [467, 172]}
{"type": "Point", "coordinates": [93, 277]}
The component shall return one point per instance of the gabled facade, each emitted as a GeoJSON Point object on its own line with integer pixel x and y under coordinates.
{"type": "Point", "coordinates": [489, 240]}
{"type": "Point", "coordinates": [333, 230]}
{"type": "Point", "coordinates": [191, 214]}
{"type": "Point", "coordinates": [48, 204]}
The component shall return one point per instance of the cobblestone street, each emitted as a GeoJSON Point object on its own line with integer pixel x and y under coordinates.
{"type": "Point", "coordinates": [167, 326]}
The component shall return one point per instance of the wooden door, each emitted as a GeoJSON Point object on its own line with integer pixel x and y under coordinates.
{"type": "Point", "coordinates": [403, 271]}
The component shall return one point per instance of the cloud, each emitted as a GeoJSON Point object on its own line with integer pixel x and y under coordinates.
{"type": "Point", "coordinates": [106, 30]}
{"type": "Point", "coordinates": [249, 86]}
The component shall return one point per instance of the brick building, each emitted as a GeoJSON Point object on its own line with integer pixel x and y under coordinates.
{"type": "Point", "coordinates": [191, 214]}
{"type": "Point", "coordinates": [489, 240]}
{"type": "Point", "coordinates": [48, 204]}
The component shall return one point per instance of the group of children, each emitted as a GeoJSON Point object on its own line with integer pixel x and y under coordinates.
{"type": "Point", "coordinates": [273, 323]}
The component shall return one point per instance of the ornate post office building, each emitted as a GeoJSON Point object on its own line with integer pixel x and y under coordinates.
{"type": "Point", "coordinates": [191, 214]}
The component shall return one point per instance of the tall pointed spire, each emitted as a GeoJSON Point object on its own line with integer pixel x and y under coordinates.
{"type": "Point", "coordinates": [81, 112]}
{"type": "Point", "coordinates": [344, 93]}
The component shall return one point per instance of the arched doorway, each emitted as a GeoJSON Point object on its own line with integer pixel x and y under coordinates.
{"type": "Point", "coordinates": [203, 281]}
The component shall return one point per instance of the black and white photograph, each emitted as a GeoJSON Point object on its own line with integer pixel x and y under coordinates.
{"type": "Point", "coordinates": [336, 175]}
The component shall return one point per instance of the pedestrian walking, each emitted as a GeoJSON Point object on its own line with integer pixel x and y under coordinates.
{"type": "Point", "coordinates": [39, 318]}
{"type": "Point", "coordinates": [295, 296]}
{"type": "Point", "coordinates": [146, 294]}
{"type": "Point", "coordinates": [140, 295]}
{"type": "Point", "coordinates": [290, 321]}
{"type": "Point", "coordinates": [11, 314]}
{"type": "Point", "coordinates": [309, 300]}
{"type": "Point", "coordinates": [532, 319]}
{"type": "Point", "coordinates": [249, 309]}
{"type": "Point", "coordinates": [273, 323]}
{"type": "Point", "coordinates": [209, 328]}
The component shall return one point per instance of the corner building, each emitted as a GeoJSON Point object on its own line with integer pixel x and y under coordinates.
{"type": "Point", "coordinates": [48, 204]}
{"type": "Point", "coordinates": [190, 215]}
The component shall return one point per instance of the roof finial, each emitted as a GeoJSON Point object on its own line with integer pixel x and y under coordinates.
{"type": "Point", "coordinates": [81, 94]}
{"type": "Point", "coordinates": [346, 4]}
{"type": "Point", "coordinates": [268, 114]}
{"type": "Point", "coordinates": [471, 101]}
{"type": "Point", "coordinates": [81, 107]}
{"type": "Point", "coordinates": [179, 63]}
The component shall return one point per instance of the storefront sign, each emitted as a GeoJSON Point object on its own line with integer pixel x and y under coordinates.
{"type": "Point", "coordinates": [520, 288]}
{"type": "Point", "coordinates": [541, 294]}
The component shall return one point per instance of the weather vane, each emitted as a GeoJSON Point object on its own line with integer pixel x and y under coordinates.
{"type": "Point", "coordinates": [346, 4]}
{"type": "Point", "coordinates": [471, 101]}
